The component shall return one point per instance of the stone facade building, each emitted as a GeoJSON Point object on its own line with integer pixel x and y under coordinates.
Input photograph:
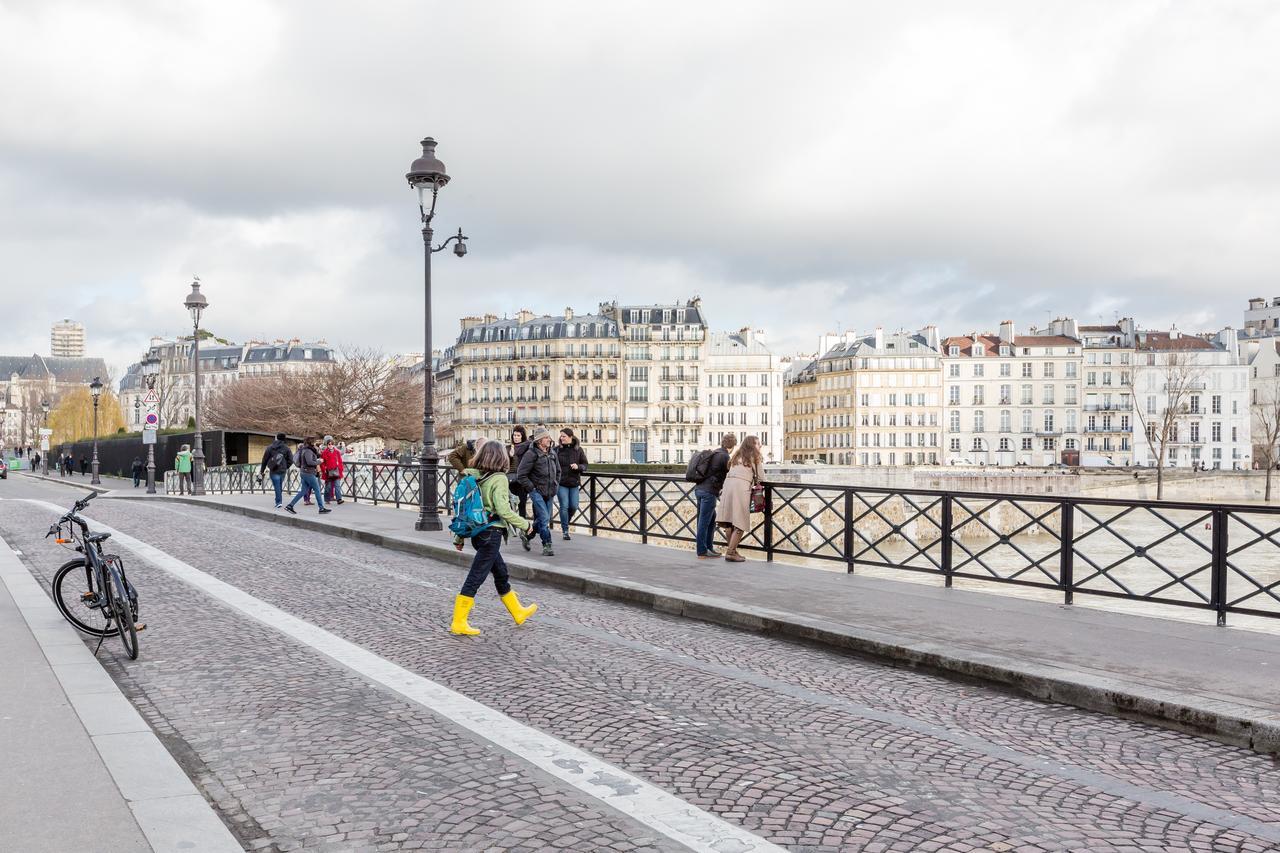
{"type": "Point", "coordinates": [66, 340]}
{"type": "Point", "coordinates": [27, 381]}
{"type": "Point", "coordinates": [743, 390]}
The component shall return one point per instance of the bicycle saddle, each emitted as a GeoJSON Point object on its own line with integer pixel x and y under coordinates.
{"type": "Point", "coordinates": [97, 537]}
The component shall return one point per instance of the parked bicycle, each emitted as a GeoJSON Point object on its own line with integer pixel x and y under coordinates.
{"type": "Point", "coordinates": [92, 591]}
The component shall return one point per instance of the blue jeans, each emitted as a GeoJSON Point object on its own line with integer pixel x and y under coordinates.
{"type": "Point", "coordinates": [488, 560]}
{"type": "Point", "coordinates": [567, 497]}
{"type": "Point", "coordinates": [541, 516]}
{"type": "Point", "coordinates": [706, 520]}
{"type": "Point", "coordinates": [333, 489]}
{"type": "Point", "coordinates": [277, 482]}
{"type": "Point", "coordinates": [310, 483]}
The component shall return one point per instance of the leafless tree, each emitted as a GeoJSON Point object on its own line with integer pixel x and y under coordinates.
{"type": "Point", "coordinates": [361, 395]}
{"type": "Point", "coordinates": [1266, 427]}
{"type": "Point", "coordinates": [1173, 377]}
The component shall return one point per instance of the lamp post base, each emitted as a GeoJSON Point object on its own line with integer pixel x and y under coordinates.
{"type": "Point", "coordinates": [429, 523]}
{"type": "Point", "coordinates": [197, 468]}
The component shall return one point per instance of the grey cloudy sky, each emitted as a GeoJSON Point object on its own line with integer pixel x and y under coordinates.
{"type": "Point", "coordinates": [801, 166]}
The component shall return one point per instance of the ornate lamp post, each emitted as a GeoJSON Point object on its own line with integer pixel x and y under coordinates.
{"type": "Point", "coordinates": [44, 456]}
{"type": "Point", "coordinates": [427, 176]}
{"type": "Point", "coordinates": [150, 369]}
{"type": "Point", "coordinates": [95, 388]}
{"type": "Point", "coordinates": [196, 303]}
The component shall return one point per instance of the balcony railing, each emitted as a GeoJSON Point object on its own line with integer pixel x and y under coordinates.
{"type": "Point", "coordinates": [1196, 555]}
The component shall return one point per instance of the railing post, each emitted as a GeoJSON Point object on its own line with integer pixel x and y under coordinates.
{"type": "Point", "coordinates": [395, 483]}
{"type": "Point", "coordinates": [374, 488]}
{"type": "Point", "coordinates": [848, 529]}
{"type": "Point", "coordinates": [592, 514]}
{"type": "Point", "coordinates": [946, 539]}
{"type": "Point", "coordinates": [644, 510]}
{"type": "Point", "coordinates": [768, 522]}
{"type": "Point", "coordinates": [1067, 549]}
{"type": "Point", "coordinates": [1218, 579]}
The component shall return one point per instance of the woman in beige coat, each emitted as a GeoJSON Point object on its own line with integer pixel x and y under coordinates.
{"type": "Point", "coordinates": [733, 515]}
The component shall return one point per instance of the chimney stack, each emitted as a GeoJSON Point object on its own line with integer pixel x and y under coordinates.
{"type": "Point", "coordinates": [879, 337]}
{"type": "Point", "coordinates": [524, 315]}
{"type": "Point", "coordinates": [1006, 332]}
{"type": "Point", "coordinates": [568, 314]}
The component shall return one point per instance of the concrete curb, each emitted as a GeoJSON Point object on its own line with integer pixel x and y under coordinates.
{"type": "Point", "coordinates": [1233, 723]}
{"type": "Point", "coordinates": [171, 813]}
{"type": "Point", "coordinates": [65, 481]}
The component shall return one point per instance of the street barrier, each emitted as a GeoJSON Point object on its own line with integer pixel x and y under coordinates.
{"type": "Point", "coordinates": [1219, 557]}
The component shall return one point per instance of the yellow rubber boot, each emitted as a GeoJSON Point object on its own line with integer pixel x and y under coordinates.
{"type": "Point", "coordinates": [518, 611]}
{"type": "Point", "coordinates": [461, 607]}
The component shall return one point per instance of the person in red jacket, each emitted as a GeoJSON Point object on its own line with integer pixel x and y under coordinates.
{"type": "Point", "coordinates": [333, 470]}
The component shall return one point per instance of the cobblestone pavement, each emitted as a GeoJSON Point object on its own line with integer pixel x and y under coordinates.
{"type": "Point", "coordinates": [808, 749]}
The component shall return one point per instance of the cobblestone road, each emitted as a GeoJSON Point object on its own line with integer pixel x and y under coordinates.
{"type": "Point", "coordinates": [807, 749]}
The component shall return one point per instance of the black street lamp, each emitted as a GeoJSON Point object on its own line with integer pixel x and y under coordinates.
{"type": "Point", "coordinates": [95, 388]}
{"type": "Point", "coordinates": [150, 369]}
{"type": "Point", "coordinates": [196, 303]}
{"type": "Point", "coordinates": [44, 456]}
{"type": "Point", "coordinates": [427, 176]}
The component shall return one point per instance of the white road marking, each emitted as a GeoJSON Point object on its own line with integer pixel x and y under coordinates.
{"type": "Point", "coordinates": [632, 796]}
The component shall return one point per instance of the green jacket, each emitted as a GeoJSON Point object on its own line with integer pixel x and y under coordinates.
{"type": "Point", "coordinates": [495, 494]}
{"type": "Point", "coordinates": [182, 462]}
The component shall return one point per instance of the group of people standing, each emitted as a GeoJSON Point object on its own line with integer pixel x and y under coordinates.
{"type": "Point", "coordinates": [726, 496]}
{"type": "Point", "coordinates": [318, 460]}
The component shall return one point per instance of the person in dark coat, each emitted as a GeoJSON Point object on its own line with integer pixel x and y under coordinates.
{"type": "Point", "coordinates": [573, 461]}
{"type": "Point", "coordinates": [139, 470]}
{"type": "Point", "coordinates": [462, 456]}
{"type": "Point", "coordinates": [539, 474]}
{"type": "Point", "coordinates": [519, 445]}
{"type": "Point", "coordinates": [277, 459]}
{"type": "Point", "coordinates": [308, 467]}
{"type": "Point", "coordinates": [84, 466]}
{"type": "Point", "coordinates": [707, 494]}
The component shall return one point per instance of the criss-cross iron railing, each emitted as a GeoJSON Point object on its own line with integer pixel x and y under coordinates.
{"type": "Point", "coordinates": [1219, 557]}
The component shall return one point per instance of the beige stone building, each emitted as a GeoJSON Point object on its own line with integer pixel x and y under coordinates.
{"type": "Point", "coordinates": [66, 339]}
{"type": "Point", "coordinates": [800, 411]}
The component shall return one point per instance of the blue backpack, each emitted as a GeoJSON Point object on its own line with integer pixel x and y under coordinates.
{"type": "Point", "coordinates": [469, 514]}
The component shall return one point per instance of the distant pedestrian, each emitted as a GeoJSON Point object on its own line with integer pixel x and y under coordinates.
{"type": "Point", "coordinates": [84, 466]}
{"type": "Point", "coordinates": [489, 469]}
{"type": "Point", "coordinates": [461, 457]}
{"type": "Point", "coordinates": [734, 513]}
{"type": "Point", "coordinates": [711, 467]}
{"type": "Point", "coordinates": [573, 461]}
{"type": "Point", "coordinates": [139, 470]}
{"type": "Point", "coordinates": [297, 454]}
{"type": "Point", "coordinates": [334, 470]}
{"type": "Point", "coordinates": [519, 444]}
{"type": "Point", "coordinates": [276, 460]}
{"type": "Point", "coordinates": [539, 474]}
{"type": "Point", "coordinates": [182, 464]}
{"type": "Point", "coordinates": [309, 463]}
{"type": "Point", "coordinates": [35, 462]}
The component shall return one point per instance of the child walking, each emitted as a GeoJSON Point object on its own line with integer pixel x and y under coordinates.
{"type": "Point", "coordinates": [489, 468]}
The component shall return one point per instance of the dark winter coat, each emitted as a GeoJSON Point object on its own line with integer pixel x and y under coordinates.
{"type": "Point", "coordinates": [539, 472]}
{"type": "Point", "coordinates": [716, 472]}
{"type": "Point", "coordinates": [568, 455]}
{"type": "Point", "coordinates": [275, 448]}
{"type": "Point", "coordinates": [308, 459]}
{"type": "Point", "coordinates": [460, 459]}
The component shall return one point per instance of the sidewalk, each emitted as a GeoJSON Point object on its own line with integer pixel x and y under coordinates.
{"type": "Point", "coordinates": [83, 771]}
{"type": "Point", "coordinates": [1198, 678]}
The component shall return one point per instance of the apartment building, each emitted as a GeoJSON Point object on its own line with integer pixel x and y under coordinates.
{"type": "Point", "coordinates": [800, 412]}
{"type": "Point", "coordinates": [1204, 381]}
{"type": "Point", "coordinates": [743, 390]}
{"type": "Point", "coordinates": [1013, 399]}
{"type": "Point", "coordinates": [28, 381]}
{"type": "Point", "coordinates": [66, 340]}
{"type": "Point", "coordinates": [1107, 418]}
{"type": "Point", "coordinates": [664, 350]}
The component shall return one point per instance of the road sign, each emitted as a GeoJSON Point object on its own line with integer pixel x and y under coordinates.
{"type": "Point", "coordinates": [46, 431]}
{"type": "Point", "coordinates": [150, 398]}
{"type": "Point", "coordinates": [148, 436]}
{"type": "Point", "coordinates": [44, 443]}
{"type": "Point", "coordinates": [151, 422]}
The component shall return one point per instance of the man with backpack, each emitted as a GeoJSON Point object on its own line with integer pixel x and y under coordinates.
{"type": "Point", "coordinates": [539, 474]}
{"type": "Point", "coordinates": [277, 458]}
{"type": "Point", "coordinates": [309, 463]}
{"type": "Point", "coordinates": [708, 469]}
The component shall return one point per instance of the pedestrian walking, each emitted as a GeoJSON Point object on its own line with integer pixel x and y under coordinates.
{"type": "Point", "coordinates": [297, 454]}
{"type": "Point", "coordinates": [35, 462]}
{"type": "Point", "coordinates": [539, 474]}
{"type": "Point", "coordinates": [309, 463]}
{"type": "Point", "coordinates": [490, 469]}
{"type": "Point", "coordinates": [139, 470]}
{"type": "Point", "coordinates": [573, 461]}
{"type": "Point", "coordinates": [734, 513]}
{"type": "Point", "coordinates": [276, 460]}
{"type": "Point", "coordinates": [708, 469]}
{"type": "Point", "coordinates": [519, 445]}
{"type": "Point", "coordinates": [333, 470]}
{"type": "Point", "coordinates": [461, 457]}
{"type": "Point", "coordinates": [182, 464]}
{"type": "Point", "coordinates": [84, 466]}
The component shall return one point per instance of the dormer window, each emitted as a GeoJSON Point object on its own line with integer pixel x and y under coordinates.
{"type": "Point", "coordinates": [953, 350]}
{"type": "Point", "coordinates": [979, 349]}
{"type": "Point", "coordinates": [1005, 351]}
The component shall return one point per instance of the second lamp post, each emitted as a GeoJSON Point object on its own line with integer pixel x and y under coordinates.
{"type": "Point", "coordinates": [95, 388]}
{"type": "Point", "coordinates": [196, 303]}
{"type": "Point", "coordinates": [427, 176]}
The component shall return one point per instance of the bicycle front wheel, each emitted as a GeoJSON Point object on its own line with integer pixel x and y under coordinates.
{"type": "Point", "coordinates": [124, 614]}
{"type": "Point", "coordinates": [81, 602]}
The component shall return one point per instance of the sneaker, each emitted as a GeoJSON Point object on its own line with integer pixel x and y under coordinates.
{"type": "Point", "coordinates": [279, 506]}
{"type": "Point", "coordinates": [546, 550]}
{"type": "Point", "coordinates": [524, 540]}
{"type": "Point", "coordinates": [714, 553]}
{"type": "Point", "coordinates": [289, 509]}
{"type": "Point", "coordinates": [709, 556]}
{"type": "Point", "coordinates": [324, 509]}
{"type": "Point", "coordinates": [566, 537]}
{"type": "Point", "coordinates": [339, 503]}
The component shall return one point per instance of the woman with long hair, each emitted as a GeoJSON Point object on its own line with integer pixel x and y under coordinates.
{"type": "Point", "coordinates": [573, 461]}
{"type": "Point", "coordinates": [733, 514]}
{"type": "Point", "coordinates": [490, 468]}
{"type": "Point", "coordinates": [515, 452]}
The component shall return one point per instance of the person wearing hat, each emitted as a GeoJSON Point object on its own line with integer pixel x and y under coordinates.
{"type": "Point", "coordinates": [333, 470]}
{"type": "Point", "coordinates": [539, 474]}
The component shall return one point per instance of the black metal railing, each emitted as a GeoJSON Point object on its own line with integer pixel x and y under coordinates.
{"type": "Point", "coordinates": [1219, 557]}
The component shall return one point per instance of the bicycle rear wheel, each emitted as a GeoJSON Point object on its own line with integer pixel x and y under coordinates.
{"type": "Point", "coordinates": [123, 614]}
{"type": "Point", "coordinates": [70, 583]}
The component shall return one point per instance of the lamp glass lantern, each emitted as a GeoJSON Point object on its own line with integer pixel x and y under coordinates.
{"type": "Point", "coordinates": [427, 175]}
{"type": "Point", "coordinates": [196, 302]}
{"type": "Point", "coordinates": [95, 388]}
